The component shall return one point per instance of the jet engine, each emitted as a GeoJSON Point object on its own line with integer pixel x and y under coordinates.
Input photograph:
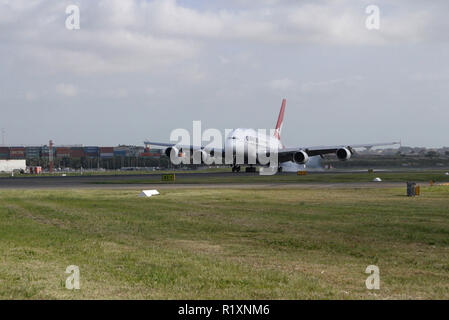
{"type": "Point", "coordinates": [300, 157]}
{"type": "Point", "coordinates": [200, 156]}
{"type": "Point", "coordinates": [168, 151]}
{"type": "Point", "coordinates": [344, 154]}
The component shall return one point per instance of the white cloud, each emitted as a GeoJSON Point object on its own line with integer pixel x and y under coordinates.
{"type": "Point", "coordinates": [329, 85]}
{"type": "Point", "coordinates": [30, 96]}
{"type": "Point", "coordinates": [343, 23]}
{"type": "Point", "coordinates": [163, 57]}
{"type": "Point", "coordinates": [281, 84]}
{"type": "Point", "coordinates": [119, 36]}
{"type": "Point", "coordinates": [68, 90]}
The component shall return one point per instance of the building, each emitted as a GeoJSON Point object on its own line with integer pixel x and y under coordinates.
{"type": "Point", "coordinates": [13, 165]}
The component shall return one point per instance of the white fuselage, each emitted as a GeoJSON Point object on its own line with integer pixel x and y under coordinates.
{"type": "Point", "coordinates": [246, 141]}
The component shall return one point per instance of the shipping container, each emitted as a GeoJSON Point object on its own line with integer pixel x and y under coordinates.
{"type": "Point", "coordinates": [150, 155]}
{"type": "Point", "coordinates": [107, 155]}
{"type": "Point", "coordinates": [46, 149]}
{"type": "Point", "coordinates": [17, 152]}
{"type": "Point", "coordinates": [32, 155]}
{"type": "Point", "coordinates": [77, 153]}
{"type": "Point", "coordinates": [33, 152]}
{"type": "Point", "coordinates": [106, 150]}
{"type": "Point", "coordinates": [135, 151]}
{"type": "Point", "coordinates": [45, 152]}
{"type": "Point", "coordinates": [62, 155]}
{"type": "Point", "coordinates": [122, 151]}
{"type": "Point", "coordinates": [91, 151]}
{"type": "Point", "coordinates": [4, 153]}
{"type": "Point", "coordinates": [121, 148]}
{"type": "Point", "coordinates": [62, 152]}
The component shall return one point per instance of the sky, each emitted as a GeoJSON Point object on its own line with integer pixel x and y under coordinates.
{"type": "Point", "coordinates": [136, 70]}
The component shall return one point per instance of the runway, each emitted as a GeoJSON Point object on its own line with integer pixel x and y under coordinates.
{"type": "Point", "coordinates": [201, 180]}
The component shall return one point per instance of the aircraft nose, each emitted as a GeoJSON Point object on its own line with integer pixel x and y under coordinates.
{"type": "Point", "coordinates": [231, 144]}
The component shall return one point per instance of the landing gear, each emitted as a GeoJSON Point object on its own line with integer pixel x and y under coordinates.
{"type": "Point", "coordinates": [280, 169]}
{"type": "Point", "coordinates": [235, 168]}
{"type": "Point", "coordinates": [250, 169]}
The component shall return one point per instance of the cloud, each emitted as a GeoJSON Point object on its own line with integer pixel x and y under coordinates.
{"type": "Point", "coordinates": [296, 22]}
{"type": "Point", "coordinates": [123, 36]}
{"type": "Point", "coordinates": [103, 45]}
{"type": "Point", "coordinates": [331, 84]}
{"type": "Point", "coordinates": [342, 23]}
{"type": "Point", "coordinates": [182, 60]}
{"type": "Point", "coordinates": [67, 90]}
{"type": "Point", "coordinates": [30, 96]}
{"type": "Point", "coordinates": [281, 84]}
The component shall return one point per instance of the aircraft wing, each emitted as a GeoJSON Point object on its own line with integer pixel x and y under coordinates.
{"type": "Point", "coordinates": [286, 153]}
{"type": "Point", "coordinates": [188, 147]}
{"type": "Point", "coordinates": [322, 150]}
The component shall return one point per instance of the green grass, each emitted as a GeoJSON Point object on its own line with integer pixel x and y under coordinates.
{"type": "Point", "coordinates": [312, 177]}
{"type": "Point", "coordinates": [225, 244]}
{"type": "Point", "coordinates": [112, 173]}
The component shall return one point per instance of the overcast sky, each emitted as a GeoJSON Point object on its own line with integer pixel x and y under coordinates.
{"type": "Point", "coordinates": [138, 69]}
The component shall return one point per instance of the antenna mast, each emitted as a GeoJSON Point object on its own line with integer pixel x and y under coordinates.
{"type": "Point", "coordinates": [50, 156]}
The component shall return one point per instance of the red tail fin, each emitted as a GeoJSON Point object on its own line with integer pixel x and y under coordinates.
{"type": "Point", "coordinates": [277, 133]}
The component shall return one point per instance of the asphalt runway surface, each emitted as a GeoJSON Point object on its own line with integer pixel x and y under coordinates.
{"type": "Point", "coordinates": [95, 182]}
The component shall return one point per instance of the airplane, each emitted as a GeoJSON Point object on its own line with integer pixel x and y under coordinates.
{"type": "Point", "coordinates": [243, 141]}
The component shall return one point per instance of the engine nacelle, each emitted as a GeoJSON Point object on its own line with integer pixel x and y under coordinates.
{"type": "Point", "coordinates": [343, 154]}
{"type": "Point", "coordinates": [300, 157]}
{"type": "Point", "coordinates": [168, 151]}
{"type": "Point", "coordinates": [200, 156]}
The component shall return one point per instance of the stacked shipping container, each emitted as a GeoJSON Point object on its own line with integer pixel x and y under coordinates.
{"type": "Point", "coordinates": [4, 153]}
{"type": "Point", "coordinates": [135, 151]}
{"type": "Point", "coordinates": [121, 151]}
{"type": "Point", "coordinates": [106, 152]}
{"type": "Point", "coordinates": [91, 152]}
{"type": "Point", "coordinates": [33, 152]}
{"type": "Point", "coordinates": [62, 152]}
{"type": "Point", "coordinates": [17, 152]}
{"type": "Point", "coordinates": [77, 152]}
{"type": "Point", "coordinates": [45, 151]}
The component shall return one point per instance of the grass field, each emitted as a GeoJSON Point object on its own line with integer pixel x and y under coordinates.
{"type": "Point", "coordinates": [113, 173]}
{"type": "Point", "coordinates": [225, 244]}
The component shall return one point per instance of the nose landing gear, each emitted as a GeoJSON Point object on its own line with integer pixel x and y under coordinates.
{"type": "Point", "coordinates": [251, 169]}
{"type": "Point", "coordinates": [235, 168]}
